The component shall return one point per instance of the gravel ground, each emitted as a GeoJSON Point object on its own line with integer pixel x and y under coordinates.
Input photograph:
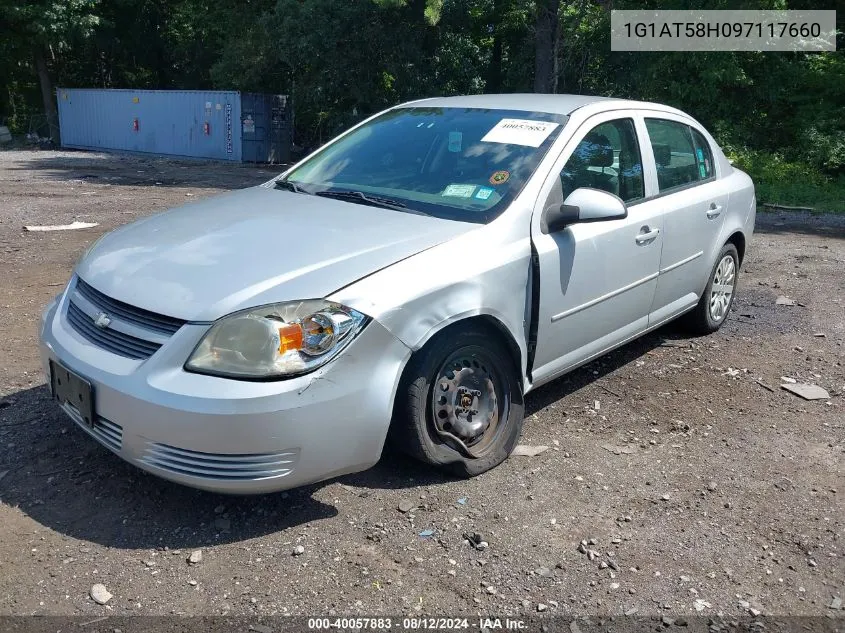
{"type": "Point", "coordinates": [679, 480]}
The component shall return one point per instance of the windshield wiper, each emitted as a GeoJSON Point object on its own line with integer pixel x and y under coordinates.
{"type": "Point", "coordinates": [290, 186]}
{"type": "Point", "coordinates": [364, 198]}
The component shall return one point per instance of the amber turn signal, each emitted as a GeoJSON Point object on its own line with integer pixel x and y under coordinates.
{"type": "Point", "coordinates": [290, 337]}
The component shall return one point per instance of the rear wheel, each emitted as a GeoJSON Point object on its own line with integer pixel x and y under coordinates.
{"type": "Point", "coordinates": [459, 403]}
{"type": "Point", "coordinates": [715, 303]}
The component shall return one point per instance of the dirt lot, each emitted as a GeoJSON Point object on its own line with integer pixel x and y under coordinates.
{"type": "Point", "coordinates": [700, 490]}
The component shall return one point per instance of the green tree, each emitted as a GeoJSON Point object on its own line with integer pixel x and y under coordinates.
{"type": "Point", "coordinates": [45, 31]}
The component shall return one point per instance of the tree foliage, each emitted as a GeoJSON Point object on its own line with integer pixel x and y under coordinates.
{"type": "Point", "coordinates": [341, 61]}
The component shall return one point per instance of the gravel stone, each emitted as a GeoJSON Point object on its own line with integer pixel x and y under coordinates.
{"type": "Point", "coordinates": [100, 594]}
{"type": "Point", "coordinates": [796, 443]}
{"type": "Point", "coordinates": [406, 505]}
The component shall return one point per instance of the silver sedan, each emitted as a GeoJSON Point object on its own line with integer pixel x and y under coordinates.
{"type": "Point", "coordinates": [409, 281]}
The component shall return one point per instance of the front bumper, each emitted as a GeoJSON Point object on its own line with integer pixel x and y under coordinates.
{"type": "Point", "coordinates": [227, 435]}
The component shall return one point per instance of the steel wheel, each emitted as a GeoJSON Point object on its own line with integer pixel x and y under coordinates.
{"type": "Point", "coordinates": [468, 399]}
{"type": "Point", "coordinates": [459, 404]}
{"type": "Point", "coordinates": [722, 289]}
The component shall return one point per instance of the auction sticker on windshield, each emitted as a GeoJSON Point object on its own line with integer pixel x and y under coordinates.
{"type": "Point", "coordinates": [520, 132]}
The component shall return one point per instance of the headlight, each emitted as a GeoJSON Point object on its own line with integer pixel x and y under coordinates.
{"type": "Point", "coordinates": [276, 341]}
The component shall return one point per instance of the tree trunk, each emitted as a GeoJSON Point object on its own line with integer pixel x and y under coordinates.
{"type": "Point", "coordinates": [47, 95]}
{"type": "Point", "coordinates": [546, 35]}
{"type": "Point", "coordinates": [493, 83]}
{"type": "Point", "coordinates": [494, 72]}
{"type": "Point", "coordinates": [417, 8]}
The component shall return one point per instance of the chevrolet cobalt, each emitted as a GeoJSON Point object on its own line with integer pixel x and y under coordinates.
{"type": "Point", "coordinates": [411, 280]}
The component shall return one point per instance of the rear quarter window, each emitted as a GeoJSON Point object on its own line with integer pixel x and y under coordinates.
{"type": "Point", "coordinates": [703, 155]}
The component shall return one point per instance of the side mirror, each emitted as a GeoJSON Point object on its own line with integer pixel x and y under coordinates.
{"type": "Point", "coordinates": [583, 205]}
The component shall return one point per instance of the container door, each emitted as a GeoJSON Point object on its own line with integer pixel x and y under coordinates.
{"type": "Point", "coordinates": [280, 130]}
{"type": "Point", "coordinates": [254, 128]}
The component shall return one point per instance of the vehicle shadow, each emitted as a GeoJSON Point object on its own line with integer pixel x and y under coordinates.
{"type": "Point", "coordinates": [64, 480]}
{"type": "Point", "coordinates": [122, 169]}
{"type": "Point", "coordinates": [603, 366]}
{"type": "Point", "coordinates": [786, 222]}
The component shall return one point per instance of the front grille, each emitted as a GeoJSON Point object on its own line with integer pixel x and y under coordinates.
{"type": "Point", "coordinates": [110, 339]}
{"type": "Point", "coordinates": [137, 316]}
{"type": "Point", "coordinates": [131, 332]}
{"type": "Point", "coordinates": [229, 467]}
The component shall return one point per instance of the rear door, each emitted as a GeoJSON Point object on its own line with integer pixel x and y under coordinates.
{"type": "Point", "coordinates": [597, 280]}
{"type": "Point", "coordinates": [684, 190]}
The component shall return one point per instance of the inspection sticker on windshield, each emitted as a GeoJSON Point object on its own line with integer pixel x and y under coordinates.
{"type": "Point", "coordinates": [459, 191]}
{"type": "Point", "coordinates": [483, 193]}
{"type": "Point", "coordinates": [520, 132]}
{"type": "Point", "coordinates": [499, 177]}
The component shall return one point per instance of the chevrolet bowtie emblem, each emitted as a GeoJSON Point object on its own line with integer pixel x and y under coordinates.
{"type": "Point", "coordinates": [102, 320]}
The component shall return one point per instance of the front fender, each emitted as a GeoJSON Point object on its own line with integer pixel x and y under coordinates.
{"type": "Point", "coordinates": [469, 276]}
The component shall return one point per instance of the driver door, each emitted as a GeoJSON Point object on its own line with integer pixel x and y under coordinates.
{"type": "Point", "coordinates": [597, 280]}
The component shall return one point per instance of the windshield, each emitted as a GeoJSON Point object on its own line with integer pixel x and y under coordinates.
{"type": "Point", "coordinates": [463, 164]}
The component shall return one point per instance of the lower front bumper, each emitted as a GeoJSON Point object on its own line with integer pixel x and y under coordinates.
{"type": "Point", "coordinates": [233, 436]}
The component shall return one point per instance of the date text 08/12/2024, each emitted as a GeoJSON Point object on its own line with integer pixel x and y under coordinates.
{"type": "Point", "coordinates": [416, 624]}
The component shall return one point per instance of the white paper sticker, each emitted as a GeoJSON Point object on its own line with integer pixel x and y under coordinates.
{"type": "Point", "coordinates": [459, 191]}
{"type": "Point", "coordinates": [520, 132]}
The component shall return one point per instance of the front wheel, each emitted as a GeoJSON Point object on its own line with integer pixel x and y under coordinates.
{"type": "Point", "coordinates": [459, 403]}
{"type": "Point", "coordinates": [717, 299]}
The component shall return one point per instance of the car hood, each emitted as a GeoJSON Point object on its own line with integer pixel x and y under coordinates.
{"type": "Point", "coordinates": [251, 247]}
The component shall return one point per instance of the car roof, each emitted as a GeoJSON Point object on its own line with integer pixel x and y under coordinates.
{"type": "Point", "coordinates": [533, 102]}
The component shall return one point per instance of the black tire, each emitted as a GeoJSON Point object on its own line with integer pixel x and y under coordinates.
{"type": "Point", "coordinates": [701, 320]}
{"type": "Point", "coordinates": [413, 430]}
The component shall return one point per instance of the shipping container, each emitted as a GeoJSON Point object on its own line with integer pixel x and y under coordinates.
{"type": "Point", "coordinates": [224, 125]}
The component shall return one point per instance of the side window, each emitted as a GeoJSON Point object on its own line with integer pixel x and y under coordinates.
{"type": "Point", "coordinates": [608, 158]}
{"type": "Point", "coordinates": [681, 154]}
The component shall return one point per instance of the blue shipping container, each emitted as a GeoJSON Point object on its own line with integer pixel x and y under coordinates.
{"type": "Point", "coordinates": [203, 124]}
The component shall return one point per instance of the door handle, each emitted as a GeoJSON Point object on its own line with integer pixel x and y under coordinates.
{"type": "Point", "coordinates": [646, 234]}
{"type": "Point", "coordinates": [714, 211]}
